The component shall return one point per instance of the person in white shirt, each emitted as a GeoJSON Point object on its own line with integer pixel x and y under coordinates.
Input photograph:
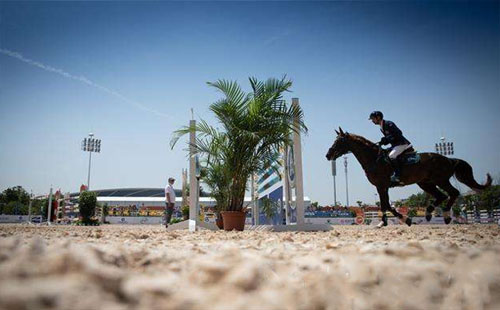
{"type": "Point", "coordinates": [169, 200]}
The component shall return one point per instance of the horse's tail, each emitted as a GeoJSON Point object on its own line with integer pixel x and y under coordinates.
{"type": "Point", "coordinates": [463, 172]}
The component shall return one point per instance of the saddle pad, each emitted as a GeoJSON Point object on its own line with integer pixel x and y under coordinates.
{"type": "Point", "coordinates": [410, 159]}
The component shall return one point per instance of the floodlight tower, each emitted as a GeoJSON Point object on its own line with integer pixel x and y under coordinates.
{"type": "Point", "coordinates": [90, 145]}
{"type": "Point", "coordinates": [444, 148]}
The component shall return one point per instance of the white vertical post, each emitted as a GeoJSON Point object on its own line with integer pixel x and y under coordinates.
{"type": "Point", "coordinates": [299, 186]}
{"type": "Point", "coordinates": [286, 187]}
{"type": "Point", "coordinates": [193, 183]}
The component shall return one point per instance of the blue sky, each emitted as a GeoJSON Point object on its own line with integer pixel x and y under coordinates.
{"type": "Point", "coordinates": [432, 67]}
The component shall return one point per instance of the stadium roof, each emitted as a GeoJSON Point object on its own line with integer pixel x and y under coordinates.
{"type": "Point", "coordinates": [135, 192]}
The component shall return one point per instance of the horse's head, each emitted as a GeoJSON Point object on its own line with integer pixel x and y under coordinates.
{"type": "Point", "coordinates": [340, 146]}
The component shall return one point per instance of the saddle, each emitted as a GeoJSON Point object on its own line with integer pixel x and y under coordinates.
{"type": "Point", "coordinates": [408, 157]}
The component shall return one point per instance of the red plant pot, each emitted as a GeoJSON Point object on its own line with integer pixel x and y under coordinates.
{"type": "Point", "coordinates": [219, 222]}
{"type": "Point", "coordinates": [233, 220]}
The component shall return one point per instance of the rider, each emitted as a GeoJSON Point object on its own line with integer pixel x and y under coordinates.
{"type": "Point", "coordinates": [393, 136]}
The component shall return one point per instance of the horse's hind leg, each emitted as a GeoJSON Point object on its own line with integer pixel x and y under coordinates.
{"type": "Point", "coordinates": [439, 197]}
{"type": "Point", "coordinates": [453, 192]}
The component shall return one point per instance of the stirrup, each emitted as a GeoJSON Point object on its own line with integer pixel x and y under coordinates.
{"type": "Point", "coordinates": [396, 182]}
{"type": "Point", "coordinates": [395, 179]}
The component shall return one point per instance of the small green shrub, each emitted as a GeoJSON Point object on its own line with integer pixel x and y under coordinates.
{"type": "Point", "coordinates": [87, 205]}
{"type": "Point", "coordinates": [175, 220]}
{"type": "Point", "coordinates": [185, 211]}
{"type": "Point", "coordinates": [89, 222]}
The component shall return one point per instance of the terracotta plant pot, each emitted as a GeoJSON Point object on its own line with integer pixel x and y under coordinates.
{"type": "Point", "coordinates": [233, 220]}
{"type": "Point", "coordinates": [219, 222]}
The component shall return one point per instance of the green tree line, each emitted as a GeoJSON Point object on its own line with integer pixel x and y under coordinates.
{"type": "Point", "coordinates": [15, 200]}
{"type": "Point", "coordinates": [488, 199]}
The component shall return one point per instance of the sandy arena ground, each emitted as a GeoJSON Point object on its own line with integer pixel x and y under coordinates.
{"type": "Point", "coordinates": [350, 267]}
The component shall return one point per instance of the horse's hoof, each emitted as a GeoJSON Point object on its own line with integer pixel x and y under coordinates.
{"type": "Point", "coordinates": [408, 221]}
{"type": "Point", "coordinates": [428, 212]}
{"type": "Point", "coordinates": [384, 219]}
{"type": "Point", "coordinates": [447, 220]}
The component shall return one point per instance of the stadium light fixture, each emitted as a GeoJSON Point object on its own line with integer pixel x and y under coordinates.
{"type": "Point", "coordinates": [444, 148]}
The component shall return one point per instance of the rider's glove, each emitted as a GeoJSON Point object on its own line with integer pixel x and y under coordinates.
{"type": "Point", "coordinates": [384, 141]}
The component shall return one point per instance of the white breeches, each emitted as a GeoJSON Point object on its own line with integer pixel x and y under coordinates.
{"type": "Point", "coordinates": [397, 150]}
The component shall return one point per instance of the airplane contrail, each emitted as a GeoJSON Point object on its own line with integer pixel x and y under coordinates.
{"type": "Point", "coordinates": [80, 78]}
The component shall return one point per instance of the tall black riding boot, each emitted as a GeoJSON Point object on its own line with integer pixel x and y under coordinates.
{"type": "Point", "coordinates": [396, 165]}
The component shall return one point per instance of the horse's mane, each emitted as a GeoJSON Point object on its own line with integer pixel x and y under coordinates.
{"type": "Point", "coordinates": [364, 141]}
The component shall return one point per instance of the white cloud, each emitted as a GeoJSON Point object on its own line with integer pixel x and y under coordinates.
{"type": "Point", "coordinates": [81, 79]}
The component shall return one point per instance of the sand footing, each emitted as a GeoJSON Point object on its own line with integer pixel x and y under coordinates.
{"type": "Point", "coordinates": [349, 267]}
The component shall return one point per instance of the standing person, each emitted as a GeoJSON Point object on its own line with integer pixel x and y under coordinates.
{"type": "Point", "coordinates": [394, 136]}
{"type": "Point", "coordinates": [169, 200]}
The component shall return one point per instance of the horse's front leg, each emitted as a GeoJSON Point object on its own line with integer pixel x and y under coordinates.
{"type": "Point", "coordinates": [385, 205]}
{"type": "Point", "coordinates": [383, 194]}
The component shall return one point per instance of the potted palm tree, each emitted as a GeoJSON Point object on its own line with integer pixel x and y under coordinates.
{"type": "Point", "coordinates": [253, 128]}
{"type": "Point", "coordinates": [217, 177]}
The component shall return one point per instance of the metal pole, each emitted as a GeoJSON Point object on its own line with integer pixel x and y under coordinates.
{"type": "Point", "coordinates": [334, 174]}
{"type": "Point", "coordinates": [334, 192]}
{"type": "Point", "coordinates": [346, 182]}
{"type": "Point", "coordinates": [88, 178]}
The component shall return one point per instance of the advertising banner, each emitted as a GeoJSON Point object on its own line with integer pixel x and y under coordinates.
{"type": "Point", "coordinates": [135, 220]}
{"type": "Point", "coordinates": [13, 218]}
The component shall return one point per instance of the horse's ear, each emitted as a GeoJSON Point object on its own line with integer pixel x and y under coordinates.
{"type": "Point", "coordinates": [338, 133]}
{"type": "Point", "coordinates": [341, 131]}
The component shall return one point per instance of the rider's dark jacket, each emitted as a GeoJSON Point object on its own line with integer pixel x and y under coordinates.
{"type": "Point", "coordinates": [392, 135]}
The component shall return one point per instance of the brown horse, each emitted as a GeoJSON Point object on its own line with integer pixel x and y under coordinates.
{"type": "Point", "coordinates": [432, 171]}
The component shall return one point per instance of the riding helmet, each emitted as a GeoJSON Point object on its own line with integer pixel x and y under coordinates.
{"type": "Point", "coordinates": [376, 114]}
